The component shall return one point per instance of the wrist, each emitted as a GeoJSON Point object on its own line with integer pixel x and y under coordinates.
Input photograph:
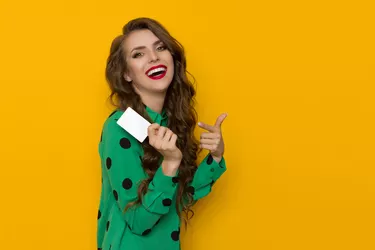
{"type": "Point", "coordinates": [217, 158]}
{"type": "Point", "coordinates": [170, 167]}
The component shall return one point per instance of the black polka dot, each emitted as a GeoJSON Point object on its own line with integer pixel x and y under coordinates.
{"type": "Point", "coordinates": [99, 214]}
{"type": "Point", "coordinates": [125, 143]}
{"type": "Point", "coordinates": [167, 202]}
{"type": "Point", "coordinates": [127, 183]}
{"type": "Point", "coordinates": [175, 179]}
{"type": "Point", "coordinates": [175, 235]}
{"type": "Point", "coordinates": [115, 194]}
{"type": "Point", "coordinates": [147, 231]}
{"type": "Point", "coordinates": [209, 160]}
{"type": "Point", "coordinates": [108, 225]}
{"type": "Point", "coordinates": [109, 162]}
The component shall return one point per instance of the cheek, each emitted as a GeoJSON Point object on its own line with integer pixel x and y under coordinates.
{"type": "Point", "coordinates": [171, 64]}
{"type": "Point", "coordinates": [135, 69]}
{"type": "Point", "coordinates": [171, 70]}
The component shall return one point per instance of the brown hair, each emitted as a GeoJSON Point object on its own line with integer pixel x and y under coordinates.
{"type": "Point", "coordinates": [179, 106]}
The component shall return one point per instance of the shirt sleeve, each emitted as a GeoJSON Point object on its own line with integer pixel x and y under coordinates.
{"type": "Point", "coordinates": [207, 173]}
{"type": "Point", "coordinates": [121, 160]}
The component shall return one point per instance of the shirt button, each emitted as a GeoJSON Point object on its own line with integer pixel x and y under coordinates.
{"type": "Point", "coordinates": [212, 169]}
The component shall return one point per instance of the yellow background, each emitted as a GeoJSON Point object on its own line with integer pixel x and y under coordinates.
{"type": "Point", "coordinates": [296, 77]}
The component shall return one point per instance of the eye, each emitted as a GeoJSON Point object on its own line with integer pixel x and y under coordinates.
{"type": "Point", "coordinates": [161, 48]}
{"type": "Point", "coordinates": [138, 54]}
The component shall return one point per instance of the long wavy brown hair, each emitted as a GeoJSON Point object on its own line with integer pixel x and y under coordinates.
{"type": "Point", "coordinates": [179, 105]}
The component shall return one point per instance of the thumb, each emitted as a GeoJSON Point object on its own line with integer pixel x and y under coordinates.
{"type": "Point", "coordinates": [220, 119]}
{"type": "Point", "coordinates": [152, 128]}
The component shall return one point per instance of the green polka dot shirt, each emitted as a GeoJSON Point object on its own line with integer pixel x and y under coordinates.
{"type": "Point", "coordinates": [154, 225]}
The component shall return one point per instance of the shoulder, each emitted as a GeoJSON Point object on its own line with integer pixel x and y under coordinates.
{"type": "Point", "coordinates": [114, 132]}
{"type": "Point", "coordinates": [110, 123]}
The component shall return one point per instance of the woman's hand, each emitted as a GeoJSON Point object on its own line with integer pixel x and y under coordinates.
{"type": "Point", "coordinates": [164, 141]}
{"type": "Point", "coordinates": [213, 140]}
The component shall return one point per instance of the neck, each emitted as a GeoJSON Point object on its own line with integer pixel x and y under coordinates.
{"type": "Point", "coordinates": [154, 101]}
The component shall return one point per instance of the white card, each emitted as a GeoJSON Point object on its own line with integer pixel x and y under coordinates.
{"type": "Point", "coordinates": [134, 124]}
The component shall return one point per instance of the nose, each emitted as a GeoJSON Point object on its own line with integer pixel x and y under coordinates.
{"type": "Point", "coordinates": [153, 56]}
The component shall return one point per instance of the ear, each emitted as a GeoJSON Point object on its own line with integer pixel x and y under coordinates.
{"type": "Point", "coordinates": [127, 77]}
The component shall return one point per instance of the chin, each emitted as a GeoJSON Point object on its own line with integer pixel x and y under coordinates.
{"type": "Point", "coordinates": [161, 88]}
{"type": "Point", "coordinates": [161, 85]}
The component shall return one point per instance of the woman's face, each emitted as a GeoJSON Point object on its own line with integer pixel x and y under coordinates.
{"type": "Point", "coordinates": [150, 65]}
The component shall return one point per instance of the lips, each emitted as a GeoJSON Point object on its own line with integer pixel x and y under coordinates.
{"type": "Point", "coordinates": [160, 75]}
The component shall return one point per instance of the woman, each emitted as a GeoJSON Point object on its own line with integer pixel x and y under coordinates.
{"type": "Point", "coordinates": [146, 186]}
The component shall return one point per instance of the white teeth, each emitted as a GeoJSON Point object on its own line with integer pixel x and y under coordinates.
{"type": "Point", "coordinates": [156, 70]}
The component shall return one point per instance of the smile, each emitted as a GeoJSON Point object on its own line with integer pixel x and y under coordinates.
{"type": "Point", "coordinates": [157, 72]}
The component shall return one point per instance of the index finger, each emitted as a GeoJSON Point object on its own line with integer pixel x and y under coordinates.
{"type": "Point", "coordinates": [207, 127]}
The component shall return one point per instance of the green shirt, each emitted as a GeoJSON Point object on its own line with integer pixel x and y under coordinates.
{"type": "Point", "coordinates": [155, 224]}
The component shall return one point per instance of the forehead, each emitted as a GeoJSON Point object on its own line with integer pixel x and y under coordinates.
{"type": "Point", "coordinates": [139, 38]}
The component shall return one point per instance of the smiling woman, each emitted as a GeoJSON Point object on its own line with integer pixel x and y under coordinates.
{"type": "Point", "coordinates": [148, 187]}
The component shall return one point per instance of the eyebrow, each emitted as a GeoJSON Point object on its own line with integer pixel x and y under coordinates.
{"type": "Point", "coordinates": [143, 47]}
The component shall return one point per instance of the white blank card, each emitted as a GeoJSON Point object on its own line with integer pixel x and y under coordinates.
{"type": "Point", "coordinates": [134, 124]}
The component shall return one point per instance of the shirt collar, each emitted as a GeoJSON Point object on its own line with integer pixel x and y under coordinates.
{"type": "Point", "coordinates": [156, 117]}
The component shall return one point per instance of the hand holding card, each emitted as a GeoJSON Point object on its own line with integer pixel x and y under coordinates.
{"type": "Point", "coordinates": [164, 141]}
{"type": "Point", "coordinates": [161, 138]}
